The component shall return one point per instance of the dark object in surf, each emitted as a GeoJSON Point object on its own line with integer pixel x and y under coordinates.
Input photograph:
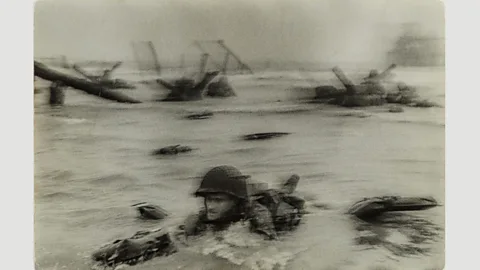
{"type": "Point", "coordinates": [407, 95]}
{"type": "Point", "coordinates": [328, 92]}
{"type": "Point", "coordinates": [148, 211]}
{"type": "Point", "coordinates": [372, 207]}
{"type": "Point", "coordinates": [172, 150]}
{"type": "Point", "coordinates": [185, 89]}
{"type": "Point", "coordinates": [264, 136]}
{"type": "Point", "coordinates": [357, 95]}
{"type": "Point", "coordinates": [369, 93]}
{"type": "Point", "coordinates": [143, 246]}
{"type": "Point", "coordinates": [395, 109]}
{"type": "Point", "coordinates": [199, 116]}
{"type": "Point", "coordinates": [423, 104]}
{"type": "Point", "coordinates": [57, 94]}
{"type": "Point", "coordinates": [358, 100]}
{"type": "Point", "coordinates": [42, 71]}
{"type": "Point", "coordinates": [220, 88]}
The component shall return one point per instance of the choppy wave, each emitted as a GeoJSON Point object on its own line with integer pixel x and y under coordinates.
{"type": "Point", "coordinates": [123, 134]}
{"type": "Point", "coordinates": [114, 179]}
{"type": "Point", "coordinates": [241, 248]}
{"type": "Point", "coordinates": [59, 195]}
{"type": "Point", "coordinates": [57, 175]}
{"type": "Point", "coordinates": [73, 121]}
{"type": "Point", "coordinates": [402, 234]}
{"type": "Point", "coordinates": [421, 122]}
{"type": "Point", "coordinates": [272, 110]}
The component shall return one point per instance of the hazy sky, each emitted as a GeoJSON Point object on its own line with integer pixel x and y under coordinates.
{"type": "Point", "coordinates": [300, 30]}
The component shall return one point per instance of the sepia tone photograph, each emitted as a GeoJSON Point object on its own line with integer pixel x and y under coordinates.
{"type": "Point", "coordinates": [252, 135]}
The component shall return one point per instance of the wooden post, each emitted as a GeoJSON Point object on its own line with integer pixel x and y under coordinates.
{"type": "Point", "coordinates": [203, 63]}
{"type": "Point", "coordinates": [197, 44]}
{"type": "Point", "coordinates": [182, 62]}
{"type": "Point", "coordinates": [225, 63]}
{"type": "Point", "coordinates": [57, 94]}
{"type": "Point", "coordinates": [155, 57]}
{"type": "Point", "coordinates": [64, 62]}
{"type": "Point", "coordinates": [244, 66]}
{"type": "Point", "coordinates": [351, 89]}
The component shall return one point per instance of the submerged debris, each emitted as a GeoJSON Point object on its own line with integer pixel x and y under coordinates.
{"type": "Point", "coordinates": [372, 207]}
{"type": "Point", "coordinates": [172, 150]}
{"type": "Point", "coordinates": [199, 116]}
{"type": "Point", "coordinates": [264, 136]}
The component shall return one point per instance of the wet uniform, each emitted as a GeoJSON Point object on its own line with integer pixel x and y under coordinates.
{"type": "Point", "coordinates": [269, 214]}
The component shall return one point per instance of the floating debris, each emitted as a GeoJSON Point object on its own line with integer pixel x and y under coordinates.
{"type": "Point", "coordinates": [371, 207]}
{"type": "Point", "coordinates": [199, 116]}
{"type": "Point", "coordinates": [322, 206]}
{"type": "Point", "coordinates": [264, 136]}
{"type": "Point", "coordinates": [172, 150]}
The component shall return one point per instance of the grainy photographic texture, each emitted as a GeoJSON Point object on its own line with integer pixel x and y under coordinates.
{"type": "Point", "coordinates": [239, 134]}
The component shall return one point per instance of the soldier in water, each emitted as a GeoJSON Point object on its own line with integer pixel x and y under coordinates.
{"type": "Point", "coordinates": [373, 84]}
{"type": "Point", "coordinates": [228, 200]}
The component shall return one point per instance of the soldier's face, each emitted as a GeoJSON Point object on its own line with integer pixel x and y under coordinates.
{"type": "Point", "coordinates": [218, 205]}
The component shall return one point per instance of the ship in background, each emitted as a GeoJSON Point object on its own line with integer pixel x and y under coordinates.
{"type": "Point", "coordinates": [414, 48]}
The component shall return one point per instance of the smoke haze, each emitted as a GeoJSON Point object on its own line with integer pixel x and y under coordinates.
{"type": "Point", "coordinates": [301, 30]}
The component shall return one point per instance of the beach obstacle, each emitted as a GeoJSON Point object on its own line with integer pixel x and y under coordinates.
{"type": "Point", "coordinates": [89, 87]}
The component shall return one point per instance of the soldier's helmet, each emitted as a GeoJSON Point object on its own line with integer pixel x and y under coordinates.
{"type": "Point", "coordinates": [224, 179]}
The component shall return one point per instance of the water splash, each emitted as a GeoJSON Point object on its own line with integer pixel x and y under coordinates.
{"type": "Point", "coordinates": [401, 234]}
